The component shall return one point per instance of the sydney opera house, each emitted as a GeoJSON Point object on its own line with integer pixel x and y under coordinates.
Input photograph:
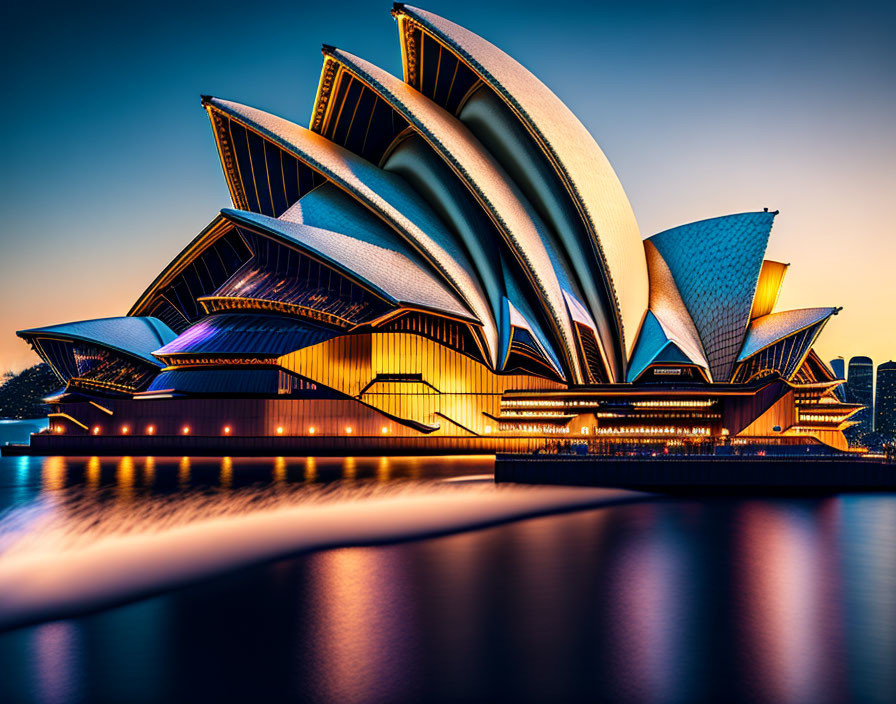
{"type": "Point", "coordinates": [446, 262]}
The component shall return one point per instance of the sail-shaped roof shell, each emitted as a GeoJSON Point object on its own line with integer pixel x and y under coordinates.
{"type": "Point", "coordinates": [715, 264]}
{"type": "Point", "coordinates": [669, 308]}
{"type": "Point", "coordinates": [383, 193]}
{"type": "Point", "coordinates": [654, 346]}
{"type": "Point", "coordinates": [668, 322]}
{"type": "Point", "coordinates": [769, 329]}
{"type": "Point", "coordinates": [389, 273]}
{"type": "Point", "coordinates": [582, 166]}
{"type": "Point", "coordinates": [492, 187]}
{"type": "Point", "coordinates": [132, 336]}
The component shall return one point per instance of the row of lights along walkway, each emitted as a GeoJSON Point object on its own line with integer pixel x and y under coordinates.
{"type": "Point", "coordinates": [226, 430]}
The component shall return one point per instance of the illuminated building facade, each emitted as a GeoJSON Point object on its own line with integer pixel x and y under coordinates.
{"type": "Point", "coordinates": [860, 391]}
{"type": "Point", "coordinates": [447, 256]}
{"type": "Point", "coordinates": [885, 402]}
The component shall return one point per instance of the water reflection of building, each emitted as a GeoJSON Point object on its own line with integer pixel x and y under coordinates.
{"type": "Point", "coordinates": [785, 601]}
{"type": "Point", "coordinates": [447, 260]}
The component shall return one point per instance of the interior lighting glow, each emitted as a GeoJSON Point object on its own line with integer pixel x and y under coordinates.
{"type": "Point", "coordinates": [186, 430]}
{"type": "Point", "coordinates": [227, 430]}
{"type": "Point", "coordinates": [150, 430]}
{"type": "Point", "coordinates": [96, 430]}
{"type": "Point", "coordinates": [279, 430]}
{"type": "Point", "coordinates": [311, 430]}
{"type": "Point", "coordinates": [125, 430]}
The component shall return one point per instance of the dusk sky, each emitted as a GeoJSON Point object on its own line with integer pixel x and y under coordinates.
{"type": "Point", "coordinates": [704, 109]}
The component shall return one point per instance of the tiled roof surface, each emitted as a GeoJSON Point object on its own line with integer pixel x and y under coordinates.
{"type": "Point", "coordinates": [670, 311]}
{"type": "Point", "coordinates": [384, 193]}
{"type": "Point", "coordinates": [384, 269]}
{"type": "Point", "coordinates": [769, 329]}
{"type": "Point", "coordinates": [574, 153]}
{"type": "Point", "coordinates": [494, 189]}
{"type": "Point", "coordinates": [716, 264]}
{"type": "Point", "coordinates": [136, 336]}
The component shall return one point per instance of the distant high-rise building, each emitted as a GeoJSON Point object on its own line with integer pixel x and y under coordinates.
{"type": "Point", "coordinates": [859, 389]}
{"type": "Point", "coordinates": [885, 402]}
{"type": "Point", "coordinates": [838, 366]}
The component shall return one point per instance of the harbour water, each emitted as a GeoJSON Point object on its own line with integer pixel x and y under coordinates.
{"type": "Point", "coordinates": [639, 598]}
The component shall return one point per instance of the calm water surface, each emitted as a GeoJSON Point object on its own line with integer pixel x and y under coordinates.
{"type": "Point", "coordinates": [656, 600]}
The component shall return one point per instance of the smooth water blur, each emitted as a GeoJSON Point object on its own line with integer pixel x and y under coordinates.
{"type": "Point", "coordinates": [658, 600]}
{"type": "Point", "coordinates": [62, 503]}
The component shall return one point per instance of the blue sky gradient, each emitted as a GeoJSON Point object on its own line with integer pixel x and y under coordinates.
{"type": "Point", "coordinates": [703, 109]}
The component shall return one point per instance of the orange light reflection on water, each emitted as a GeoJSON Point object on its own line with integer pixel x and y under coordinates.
{"type": "Point", "coordinates": [183, 473]}
{"type": "Point", "coordinates": [279, 472]}
{"type": "Point", "coordinates": [226, 472]}
{"type": "Point", "coordinates": [349, 468]}
{"type": "Point", "coordinates": [149, 472]}
{"type": "Point", "coordinates": [124, 477]}
{"type": "Point", "coordinates": [53, 474]}
{"type": "Point", "coordinates": [93, 471]}
{"type": "Point", "coordinates": [383, 472]}
{"type": "Point", "coordinates": [310, 469]}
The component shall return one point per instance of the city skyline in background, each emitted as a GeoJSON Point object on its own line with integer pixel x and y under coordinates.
{"type": "Point", "coordinates": [874, 386]}
{"type": "Point", "coordinates": [702, 110]}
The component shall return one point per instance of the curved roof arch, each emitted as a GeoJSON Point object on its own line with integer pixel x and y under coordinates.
{"type": "Point", "coordinates": [384, 194]}
{"type": "Point", "coordinates": [501, 133]}
{"type": "Point", "coordinates": [655, 346]}
{"type": "Point", "coordinates": [515, 325]}
{"type": "Point", "coordinates": [582, 166]}
{"type": "Point", "coordinates": [781, 343]}
{"type": "Point", "coordinates": [388, 273]}
{"type": "Point", "coordinates": [768, 330]}
{"type": "Point", "coordinates": [488, 182]}
{"type": "Point", "coordinates": [245, 335]}
{"type": "Point", "coordinates": [260, 176]}
{"type": "Point", "coordinates": [427, 173]}
{"type": "Point", "coordinates": [135, 337]}
{"type": "Point", "coordinates": [211, 258]}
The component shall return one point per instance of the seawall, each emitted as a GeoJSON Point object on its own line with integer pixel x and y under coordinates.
{"type": "Point", "coordinates": [695, 474]}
